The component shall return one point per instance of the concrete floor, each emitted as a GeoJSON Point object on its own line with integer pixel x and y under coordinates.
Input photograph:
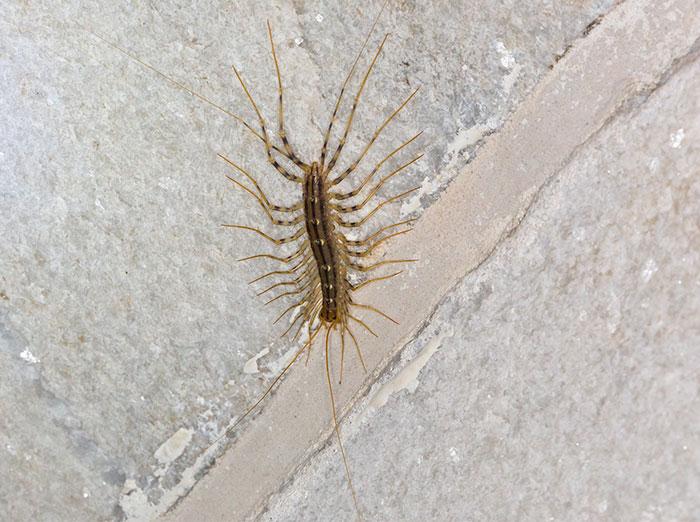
{"type": "Point", "coordinates": [547, 359]}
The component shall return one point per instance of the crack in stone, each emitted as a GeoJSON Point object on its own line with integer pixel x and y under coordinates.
{"type": "Point", "coordinates": [625, 106]}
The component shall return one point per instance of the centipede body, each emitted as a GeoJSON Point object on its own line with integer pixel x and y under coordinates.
{"type": "Point", "coordinates": [317, 272]}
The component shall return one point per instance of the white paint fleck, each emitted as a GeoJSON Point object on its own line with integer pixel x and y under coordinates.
{"type": "Point", "coordinates": [319, 18]}
{"type": "Point", "coordinates": [455, 152]}
{"type": "Point", "coordinates": [614, 313]}
{"type": "Point", "coordinates": [507, 59]}
{"type": "Point", "coordinates": [602, 506]}
{"type": "Point", "coordinates": [298, 41]}
{"type": "Point", "coordinates": [508, 62]}
{"type": "Point", "coordinates": [654, 164]}
{"type": "Point", "coordinates": [454, 455]}
{"type": "Point", "coordinates": [650, 268]}
{"type": "Point", "coordinates": [28, 357]}
{"type": "Point", "coordinates": [86, 493]}
{"type": "Point", "coordinates": [251, 366]}
{"type": "Point", "coordinates": [172, 448]}
{"type": "Point", "coordinates": [407, 378]}
{"type": "Point", "coordinates": [677, 138]}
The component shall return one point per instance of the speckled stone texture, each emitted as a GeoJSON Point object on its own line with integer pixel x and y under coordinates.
{"type": "Point", "coordinates": [562, 376]}
{"type": "Point", "coordinates": [126, 329]}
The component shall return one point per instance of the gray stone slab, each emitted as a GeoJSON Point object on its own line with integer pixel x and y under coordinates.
{"type": "Point", "coordinates": [129, 337]}
{"type": "Point", "coordinates": [559, 380]}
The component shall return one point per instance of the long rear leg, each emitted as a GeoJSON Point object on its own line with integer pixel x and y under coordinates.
{"type": "Point", "coordinates": [336, 426]}
{"type": "Point", "coordinates": [230, 430]}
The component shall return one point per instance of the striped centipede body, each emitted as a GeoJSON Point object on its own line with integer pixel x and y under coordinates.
{"type": "Point", "coordinates": [318, 272]}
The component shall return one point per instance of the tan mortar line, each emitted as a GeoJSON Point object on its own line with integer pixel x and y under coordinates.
{"type": "Point", "coordinates": [628, 51]}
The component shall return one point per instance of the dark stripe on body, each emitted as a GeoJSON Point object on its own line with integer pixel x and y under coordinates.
{"type": "Point", "coordinates": [322, 240]}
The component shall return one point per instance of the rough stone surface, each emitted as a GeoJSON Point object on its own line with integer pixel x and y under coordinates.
{"type": "Point", "coordinates": [128, 337]}
{"type": "Point", "coordinates": [559, 380]}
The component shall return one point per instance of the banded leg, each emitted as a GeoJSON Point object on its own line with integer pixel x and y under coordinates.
{"type": "Point", "coordinates": [282, 283]}
{"type": "Point", "coordinates": [291, 271]}
{"type": "Point", "coordinates": [339, 196]}
{"type": "Point", "coordinates": [376, 310]}
{"type": "Point", "coordinates": [268, 148]}
{"type": "Point", "coordinates": [359, 223]}
{"type": "Point", "coordinates": [261, 193]}
{"type": "Point", "coordinates": [307, 313]}
{"type": "Point", "coordinates": [280, 109]}
{"type": "Point", "coordinates": [324, 148]}
{"type": "Point", "coordinates": [348, 125]}
{"type": "Point", "coordinates": [291, 292]}
{"type": "Point", "coordinates": [367, 282]}
{"type": "Point", "coordinates": [373, 192]}
{"type": "Point", "coordinates": [369, 144]}
{"type": "Point", "coordinates": [361, 268]}
{"type": "Point", "coordinates": [307, 298]}
{"type": "Point", "coordinates": [282, 241]}
{"type": "Point", "coordinates": [273, 220]}
{"type": "Point", "coordinates": [287, 259]}
{"type": "Point", "coordinates": [367, 252]}
{"type": "Point", "coordinates": [368, 239]}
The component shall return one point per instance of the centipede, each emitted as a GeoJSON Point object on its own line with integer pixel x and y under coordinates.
{"type": "Point", "coordinates": [325, 268]}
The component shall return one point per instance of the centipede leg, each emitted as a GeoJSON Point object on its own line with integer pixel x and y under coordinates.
{"type": "Point", "coordinates": [361, 268]}
{"type": "Point", "coordinates": [363, 284]}
{"type": "Point", "coordinates": [261, 193]}
{"type": "Point", "coordinates": [357, 348]}
{"type": "Point", "coordinates": [280, 108]}
{"type": "Point", "coordinates": [348, 124]}
{"type": "Point", "coordinates": [359, 223]}
{"type": "Point", "coordinates": [324, 148]}
{"type": "Point", "coordinates": [355, 163]}
{"type": "Point", "coordinates": [281, 241]}
{"type": "Point", "coordinates": [375, 189]}
{"type": "Point", "coordinates": [268, 148]}
{"type": "Point", "coordinates": [339, 196]}
{"type": "Point", "coordinates": [376, 310]}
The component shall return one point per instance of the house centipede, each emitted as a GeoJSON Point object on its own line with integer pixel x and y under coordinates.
{"type": "Point", "coordinates": [318, 270]}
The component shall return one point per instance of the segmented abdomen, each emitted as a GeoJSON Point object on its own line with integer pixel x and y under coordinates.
{"type": "Point", "coordinates": [324, 244]}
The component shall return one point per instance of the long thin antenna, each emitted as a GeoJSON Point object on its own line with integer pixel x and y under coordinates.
{"type": "Point", "coordinates": [324, 149]}
{"type": "Point", "coordinates": [178, 84]}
